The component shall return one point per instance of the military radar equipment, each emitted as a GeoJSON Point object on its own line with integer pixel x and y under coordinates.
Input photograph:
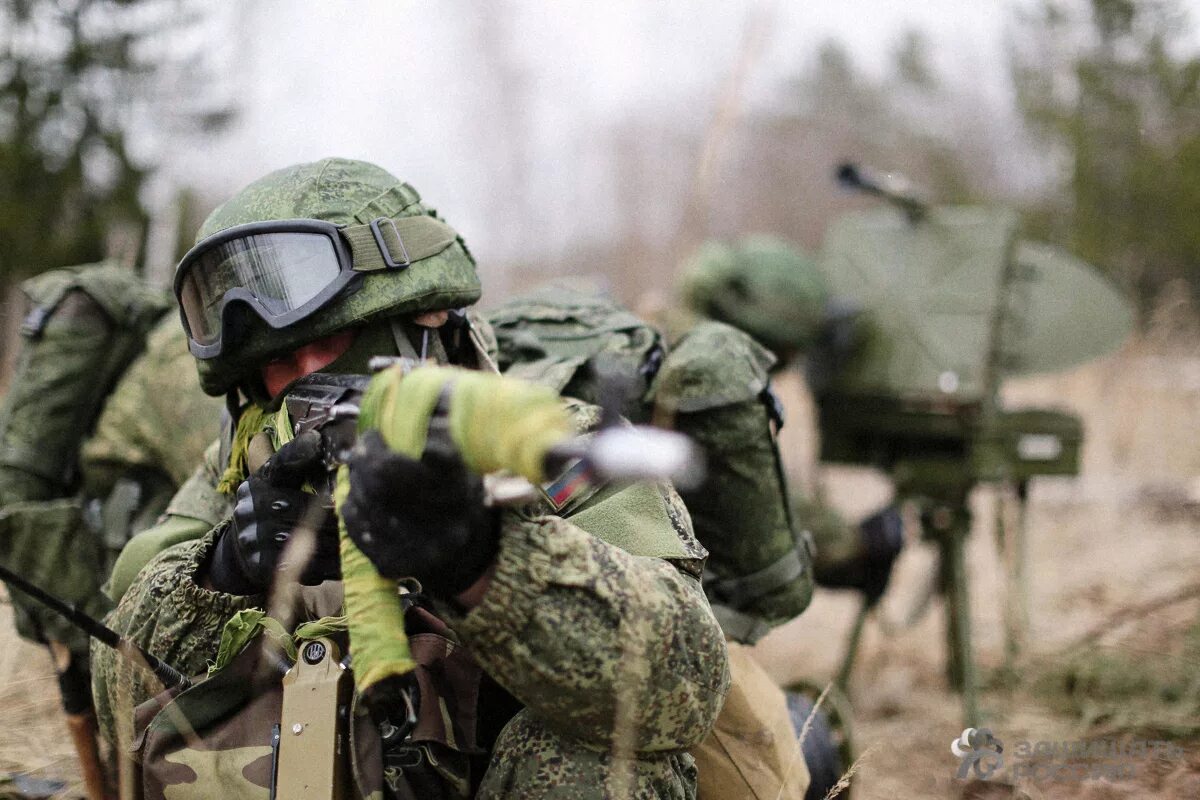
{"type": "Point", "coordinates": [951, 303]}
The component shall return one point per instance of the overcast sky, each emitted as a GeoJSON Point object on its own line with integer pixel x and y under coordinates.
{"type": "Point", "coordinates": [430, 89]}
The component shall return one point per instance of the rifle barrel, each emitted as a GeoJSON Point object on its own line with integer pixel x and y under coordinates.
{"type": "Point", "coordinates": [169, 676]}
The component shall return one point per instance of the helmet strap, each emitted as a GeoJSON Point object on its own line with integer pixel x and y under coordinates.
{"type": "Point", "coordinates": [404, 345]}
{"type": "Point", "coordinates": [483, 358]}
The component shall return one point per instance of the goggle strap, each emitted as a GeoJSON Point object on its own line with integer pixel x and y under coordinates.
{"type": "Point", "coordinates": [394, 243]}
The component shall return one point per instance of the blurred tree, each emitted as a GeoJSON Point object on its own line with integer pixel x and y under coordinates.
{"type": "Point", "coordinates": [1108, 84]}
{"type": "Point", "coordinates": [830, 111]}
{"type": "Point", "coordinates": [83, 83]}
{"type": "Point", "coordinates": [911, 58]}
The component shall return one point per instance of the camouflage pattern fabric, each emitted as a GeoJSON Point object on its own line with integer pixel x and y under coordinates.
{"type": "Point", "coordinates": [51, 544]}
{"type": "Point", "coordinates": [157, 418]}
{"type": "Point", "coordinates": [590, 637]}
{"type": "Point", "coordinates": [571, 625]}
{"type": "Point", "coordinates": [235, 712]}
{"type": "Point", "coordinates": [150, 431]}
{"type": "Point", "coordinates": [534, 761]}
{"type": "Point", "coordinates": [198, 497]}
{"type": "Point", "coordinates": [193, 511]}
{"type": "Point", "coordinates": [713, 385]}
{"type": "Point", "coordinates": [83, 328]}
{"type": "Point", "coordinates": [549, 336]}
{"type": "Point", "coordinates": [761, 285]}
{"type": "Point", "coordinates": [170, 615]}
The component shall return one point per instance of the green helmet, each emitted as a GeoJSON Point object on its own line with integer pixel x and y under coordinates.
{"type": "Point", "coordinates": [395, 256]}
{"type": "Point", "coordinates": [762, 285]}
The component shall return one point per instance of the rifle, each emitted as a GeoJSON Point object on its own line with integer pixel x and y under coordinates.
{"type": "Point", "coordinates": [332, 404]}
{"type": "Point", "coordinates": [408, 406]}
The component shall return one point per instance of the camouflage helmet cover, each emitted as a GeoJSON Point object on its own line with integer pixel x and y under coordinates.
{"type": "Point", "coordinates": [343, 192]}
{"type": "Point", "coordinates": [762, 285]}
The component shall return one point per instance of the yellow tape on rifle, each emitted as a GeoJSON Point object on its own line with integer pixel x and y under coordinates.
{"type": "Point", "coordinates": [497, 424]}
{"type": "Point", "coordinates": [376, 621]}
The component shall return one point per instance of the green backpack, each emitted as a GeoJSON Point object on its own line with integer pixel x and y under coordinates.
{"type": "Point", "coordinates": [555, 336]}
{"type": "Point", "coordinates": [713, 386]}
{"type": "Point", "coordinates": [83, 327]}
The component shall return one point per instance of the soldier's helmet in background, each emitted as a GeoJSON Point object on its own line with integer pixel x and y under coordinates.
{"type": "Point", "coordinates": [763, 285]}
{"type": "Point", "coordinates": [307, 251]}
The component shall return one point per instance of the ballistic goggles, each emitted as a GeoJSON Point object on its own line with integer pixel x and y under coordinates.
{"type": "Point", "coordinates": [286, 270]}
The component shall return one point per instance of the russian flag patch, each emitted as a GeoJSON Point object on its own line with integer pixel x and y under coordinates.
{"type": "Point", "coordinates": [567, 485]}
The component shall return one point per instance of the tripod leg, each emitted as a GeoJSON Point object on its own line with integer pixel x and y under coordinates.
{"type": "Point", "coordinates": [843, 680]}
{"type": "Point", "coordinates": [960, 664]}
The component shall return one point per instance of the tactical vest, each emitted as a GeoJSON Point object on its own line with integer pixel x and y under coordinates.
{"type": "Point", "coordinates": [249, 730]}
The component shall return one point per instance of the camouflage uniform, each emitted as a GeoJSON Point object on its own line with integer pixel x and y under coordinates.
{"type": "Point", "coordinates": [555, 629]}
{"type": "Point", "coordinates": [594, 620]}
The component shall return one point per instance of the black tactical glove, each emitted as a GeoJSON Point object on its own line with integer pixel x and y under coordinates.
{"type": "Point", "coordinates": [883, 539]}
{"type": "Point", "coordinates": [420, 519]}
{"type": "Point", "coordinates": [880, 539]}
{"type": "Point", "coordinates": [269, 506]}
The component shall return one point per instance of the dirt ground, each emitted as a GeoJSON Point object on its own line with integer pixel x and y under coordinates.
{"type": "Point", "coordinates": [1123, 535]}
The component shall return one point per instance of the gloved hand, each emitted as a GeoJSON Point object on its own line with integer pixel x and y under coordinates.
{"type": "Point", "coordinates": [269, 505]}
{"type": "Point", "coordinates": [882, 540]}
{"type": "Point", "coordinates": [420, 519]}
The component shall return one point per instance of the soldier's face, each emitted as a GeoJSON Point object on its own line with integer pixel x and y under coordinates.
{"type": "Point", "coordinates": [280, 372]}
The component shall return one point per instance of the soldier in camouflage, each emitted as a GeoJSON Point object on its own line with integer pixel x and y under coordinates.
{"type": "Point", "coordinates": [549, 599]}
{"type": "Point", "coordinates": [775, 294]}
{"type": "Point", "coordinates": [95, 439]}
{"type": "Point", "coordinates": [126, 462]}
